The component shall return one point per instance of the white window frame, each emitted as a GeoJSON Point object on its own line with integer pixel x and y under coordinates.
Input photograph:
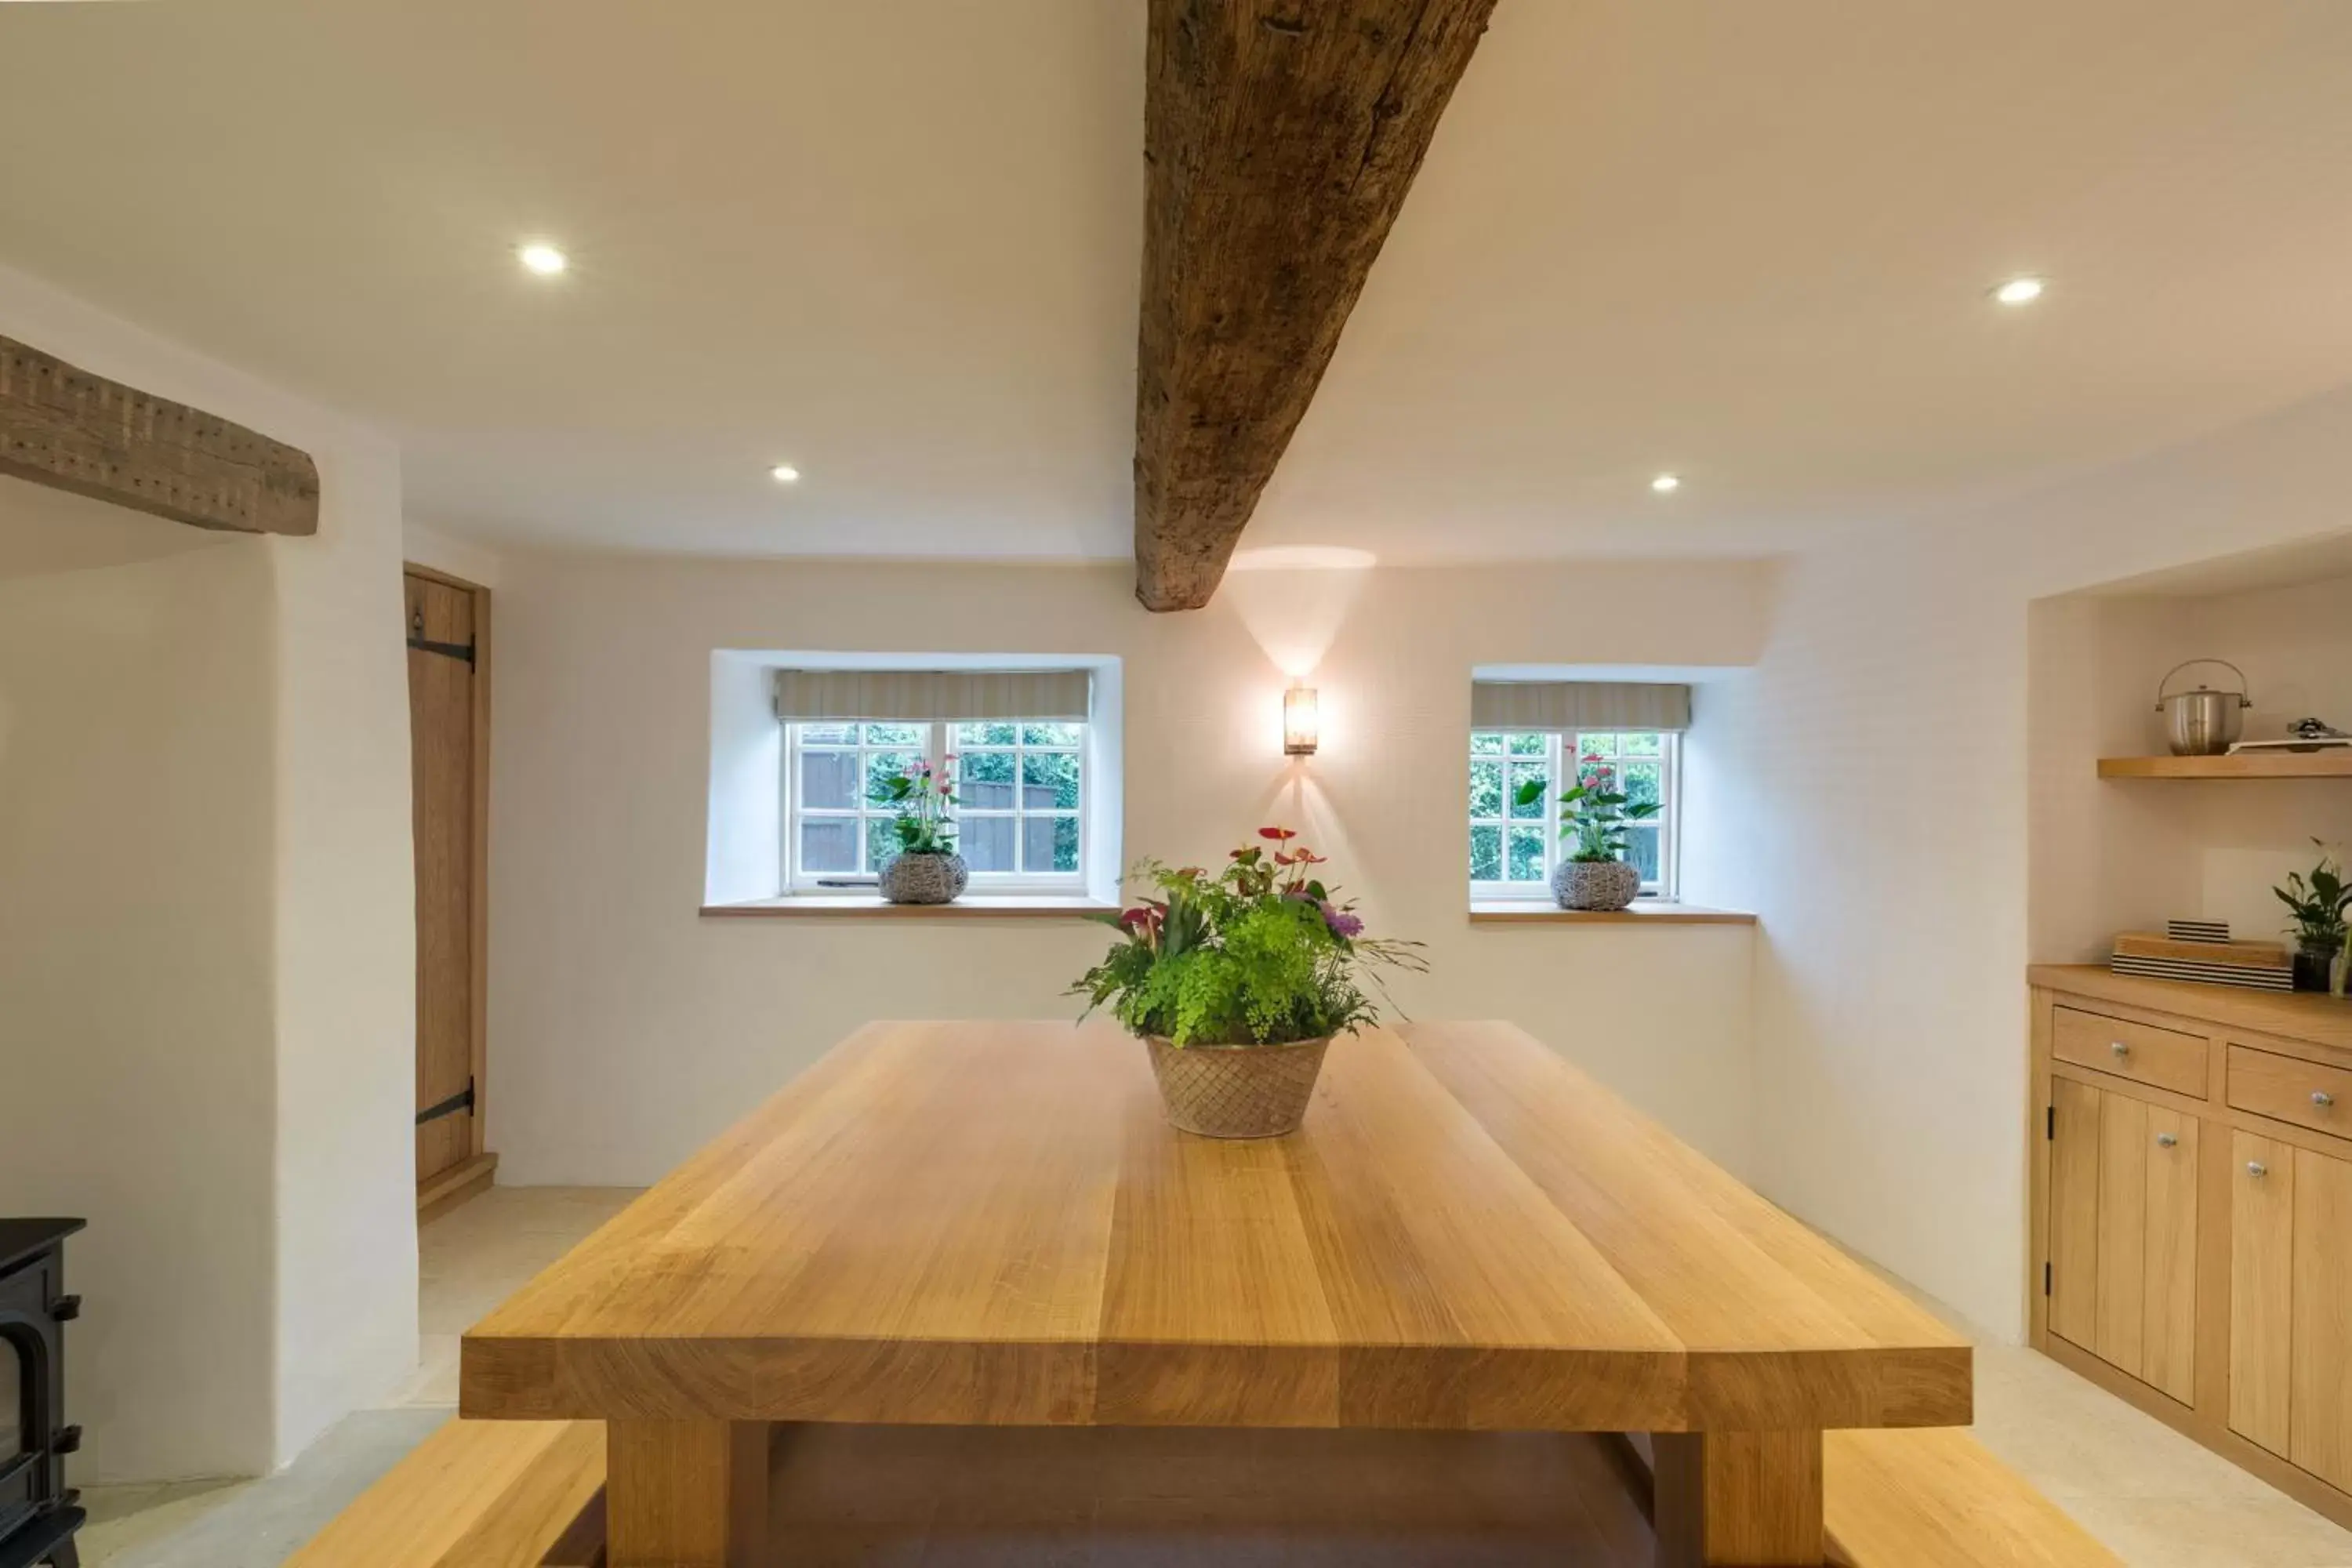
{"type": "Point", "coordinates": [939, 741]}
{"type": "Point", "coordinates": [1555, 759]}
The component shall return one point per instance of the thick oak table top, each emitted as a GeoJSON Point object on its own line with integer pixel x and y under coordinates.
{"type": "Point", "coordinates": [988, 1222]}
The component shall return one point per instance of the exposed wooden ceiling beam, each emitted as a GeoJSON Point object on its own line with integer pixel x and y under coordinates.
{"type": "Point", "coordinates": [64, 426]}
{"type": "Point", "coordinates": [1280, 137]}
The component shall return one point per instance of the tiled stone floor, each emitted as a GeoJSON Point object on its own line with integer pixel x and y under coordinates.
{"type": "Point", "coordinates": [2156, 1499]}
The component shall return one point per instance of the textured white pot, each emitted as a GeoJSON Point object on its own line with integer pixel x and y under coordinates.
{"type": "Point", "coordinates": [924, 878]}
{"type": "Point", "coordinates": [1595, 884]}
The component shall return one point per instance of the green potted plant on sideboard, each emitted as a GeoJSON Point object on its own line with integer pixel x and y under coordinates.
{"type": "Point", "coordinates": [2316, 907]}
{"type": "Point", "coordinates": [1238, 982]}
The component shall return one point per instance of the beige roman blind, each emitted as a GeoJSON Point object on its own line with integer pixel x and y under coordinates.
{"type": "Point", "coordinates": [1578, 705]}
{"type": "Point", "coordinates": [927, 695]}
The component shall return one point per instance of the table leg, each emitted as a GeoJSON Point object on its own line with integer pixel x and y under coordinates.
{"type": "Point", "coordinates": [1746, 1499]}
{"type": "Point", "coordinates": [685, 1494]}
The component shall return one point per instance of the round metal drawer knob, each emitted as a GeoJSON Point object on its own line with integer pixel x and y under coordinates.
{"type": "Point", "coordinates": [2322, 1099]}
{"type": "Point", "coordinates": [2166, 1140]}
{"type": "Point", "coordinates": [2256, 1168]}
{"type": "Point", "coordinates": [2120, 1048]}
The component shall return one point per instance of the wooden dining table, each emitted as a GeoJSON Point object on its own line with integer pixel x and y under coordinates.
{"type": "Point", "coordinates": [989, 1224]}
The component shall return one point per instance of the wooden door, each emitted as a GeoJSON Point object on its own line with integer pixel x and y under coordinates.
{"type": "Point", "coordinates": [441, 759]}
{"type": "Point", "coordinates": [2168, 1319]}
{"type": "Point", "coordinates": [2319, 1405]}
{"type": "Point", "coordinates": [2261, 1289]}
{"type": "Point", "coordinates": [2075, 1212]}
{"type": "Point", "coordinates": [2123, 1233]}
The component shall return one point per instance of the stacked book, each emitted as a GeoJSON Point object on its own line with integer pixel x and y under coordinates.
{"type": "Point", "coordinates": [2201, 950]}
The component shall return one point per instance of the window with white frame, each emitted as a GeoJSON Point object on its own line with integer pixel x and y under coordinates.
{"type": "Point", "coordinates": [1516, 780]}
{"type": "Point", "coordinates": [1020, 789]}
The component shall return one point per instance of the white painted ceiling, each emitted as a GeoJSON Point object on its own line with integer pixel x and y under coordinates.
{"type": "Point", "coordinates": [896, 245]}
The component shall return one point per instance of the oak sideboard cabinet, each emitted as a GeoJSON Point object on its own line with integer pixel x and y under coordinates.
{"type": "Point", "coordinates": [2191, 1200]}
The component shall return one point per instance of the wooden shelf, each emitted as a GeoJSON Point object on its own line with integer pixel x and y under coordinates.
{"type": "Point", "coordinates": [2336, 763]}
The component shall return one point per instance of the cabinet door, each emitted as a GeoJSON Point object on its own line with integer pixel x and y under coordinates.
{"type": "Point", "coordinates": [2262, 1285]}
{"type": "Point", "coordinates": [2123, 1233]}
{"type": "Point", "coordinates": [2169, 1327]}
{"type": "Point", "coordinates": [2075, 1212]}
{"type": "Point", "coordinates": [2320, 1407]}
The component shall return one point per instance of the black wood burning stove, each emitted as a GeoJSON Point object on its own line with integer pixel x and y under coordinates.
{"type": "Point", "coordinates": [38, 1514]}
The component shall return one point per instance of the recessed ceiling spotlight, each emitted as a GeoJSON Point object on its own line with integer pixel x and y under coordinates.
{"type": "Point", "coordinates": [783, 473]}
{"type": "Point", "coordinates": [1666, 484]}
{"type": "Point", "coordinates": [543, 260]}
{"type": "Point", "coordinates": [2020, 291]}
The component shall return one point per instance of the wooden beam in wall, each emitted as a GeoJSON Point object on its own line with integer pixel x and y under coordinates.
{"type": "Point", "coordinates": [64, 426]}
{"type": "Point", "coordinates": [1280, 137]}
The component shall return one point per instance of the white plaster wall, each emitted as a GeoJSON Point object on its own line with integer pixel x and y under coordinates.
{"type": "Point", "coordinates": [627, 1030]}
{"type": "Point", "coordinates": [338, 1294]}
{"type": "Point", "coordinates": [1884, 781]}
{"type": "Point", "coordinates": [136, 807]}
{"type": "Point", "coordinates": [444, 551]}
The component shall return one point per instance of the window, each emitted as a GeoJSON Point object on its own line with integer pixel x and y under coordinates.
{"type": "Point", "coordinates": [1515, 846]}
{"type": "Point", "coordinates": [1021, 788]}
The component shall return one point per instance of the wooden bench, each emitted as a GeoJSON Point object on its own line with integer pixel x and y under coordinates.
{"type": "Point", "coordinates": [478, 1494]}
{"type": "Point", "coordinates": [1933, 1498]}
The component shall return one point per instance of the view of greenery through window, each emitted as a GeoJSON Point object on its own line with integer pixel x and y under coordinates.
{"type": "Point", "coordinates": [1514, 846]}
{"type": "Point", "coordinates": [1021, 784]}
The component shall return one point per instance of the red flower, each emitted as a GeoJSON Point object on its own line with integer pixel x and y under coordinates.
{"type": "Point", "coordinates": [1276, 834]}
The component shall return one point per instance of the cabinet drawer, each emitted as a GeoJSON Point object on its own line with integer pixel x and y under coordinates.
{"type": "Point", "coordinates": [2164, 1057]}
{"type": "Point", "coordinates": [2289, 1088]}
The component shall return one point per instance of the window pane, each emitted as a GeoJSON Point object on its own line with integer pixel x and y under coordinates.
{"type": "Point", "coordinates": [1642, 850]}
{"type": "Point", "coordinates": [984, 780]}
{"type": "Point", "coordinates": [829, 843]}
{"type": "Point", "coordinates": [881, 843]}
{"type": "Point", "coordinates": [995, 732]}
{"type": "Point", "coordinates": [1640, 782]}
{"type": "Point", "coordinates": [1486, 790]}
{"type": "Point", "coordinates": [893, 735]}
{"type": "Point", "coordinates": [1485, 854]}
{"type": "Point", "coordinates": [1528, 744]}
{"type": "Point", "coordinates": [1051, 734]}
{"type": "Point", "coordinates": [1604, 742]}
{"type": "Point", "coordinates": [829, 780]}
{"type": "Point", "coordinates": [1049, 844]}
{"type": "Point", "coordinates": [1049, 781]}
{"type": "Point", "coordinates": [1523, 774]}
{"type": "Point", "coordinates": [1486, 743]}
{"type": "Point", "coordinates": [881, 767]}
{"type": "Point", "coordinates": [1640, 743]}
{"type": "Point", "coordinates": [1527, 855]}
{"type": "Point", "coordinates": [829, 734]}
{"type": "Point", "coordinates": [986, 843]}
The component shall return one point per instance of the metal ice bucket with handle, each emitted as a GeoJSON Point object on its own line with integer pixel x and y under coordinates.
{"type": "Point", "coordinates": [2202, 722]}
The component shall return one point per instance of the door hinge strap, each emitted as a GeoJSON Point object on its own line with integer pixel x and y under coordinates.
{"type": "Point", "coordinates": [461, 1101]}
{"type": "Point", "coordinates": [2045, 1279]}
{"type": "Point", "coordinates": [459, 650]}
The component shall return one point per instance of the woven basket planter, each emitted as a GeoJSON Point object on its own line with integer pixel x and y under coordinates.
{"type": "Point", "coordinates": [1595, 884]}
{"type": "Point", "coordinates": [1236, 1091]}
{"type": "Point", "coordinates": [924, 878]}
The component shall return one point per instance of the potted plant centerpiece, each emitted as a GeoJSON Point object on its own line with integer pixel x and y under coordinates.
{"type": "Point", "coordinates": [926, 870]}
{"type": "Point", "coordinates": [1237, 983]}
{"type": "Point", "coordinates": [2316, 907]}
{"type": "Point", "coordinates": [1595, 815]}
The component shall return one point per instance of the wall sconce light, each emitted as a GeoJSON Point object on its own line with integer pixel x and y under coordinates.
{"type": "Point", "coordinates": [1300, 729]}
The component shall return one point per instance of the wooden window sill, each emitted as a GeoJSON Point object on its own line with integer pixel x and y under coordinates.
{"type": "Point", "coordinates": [858, 905]}
{"type": "Point", "coordinates": [1531, 912]}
